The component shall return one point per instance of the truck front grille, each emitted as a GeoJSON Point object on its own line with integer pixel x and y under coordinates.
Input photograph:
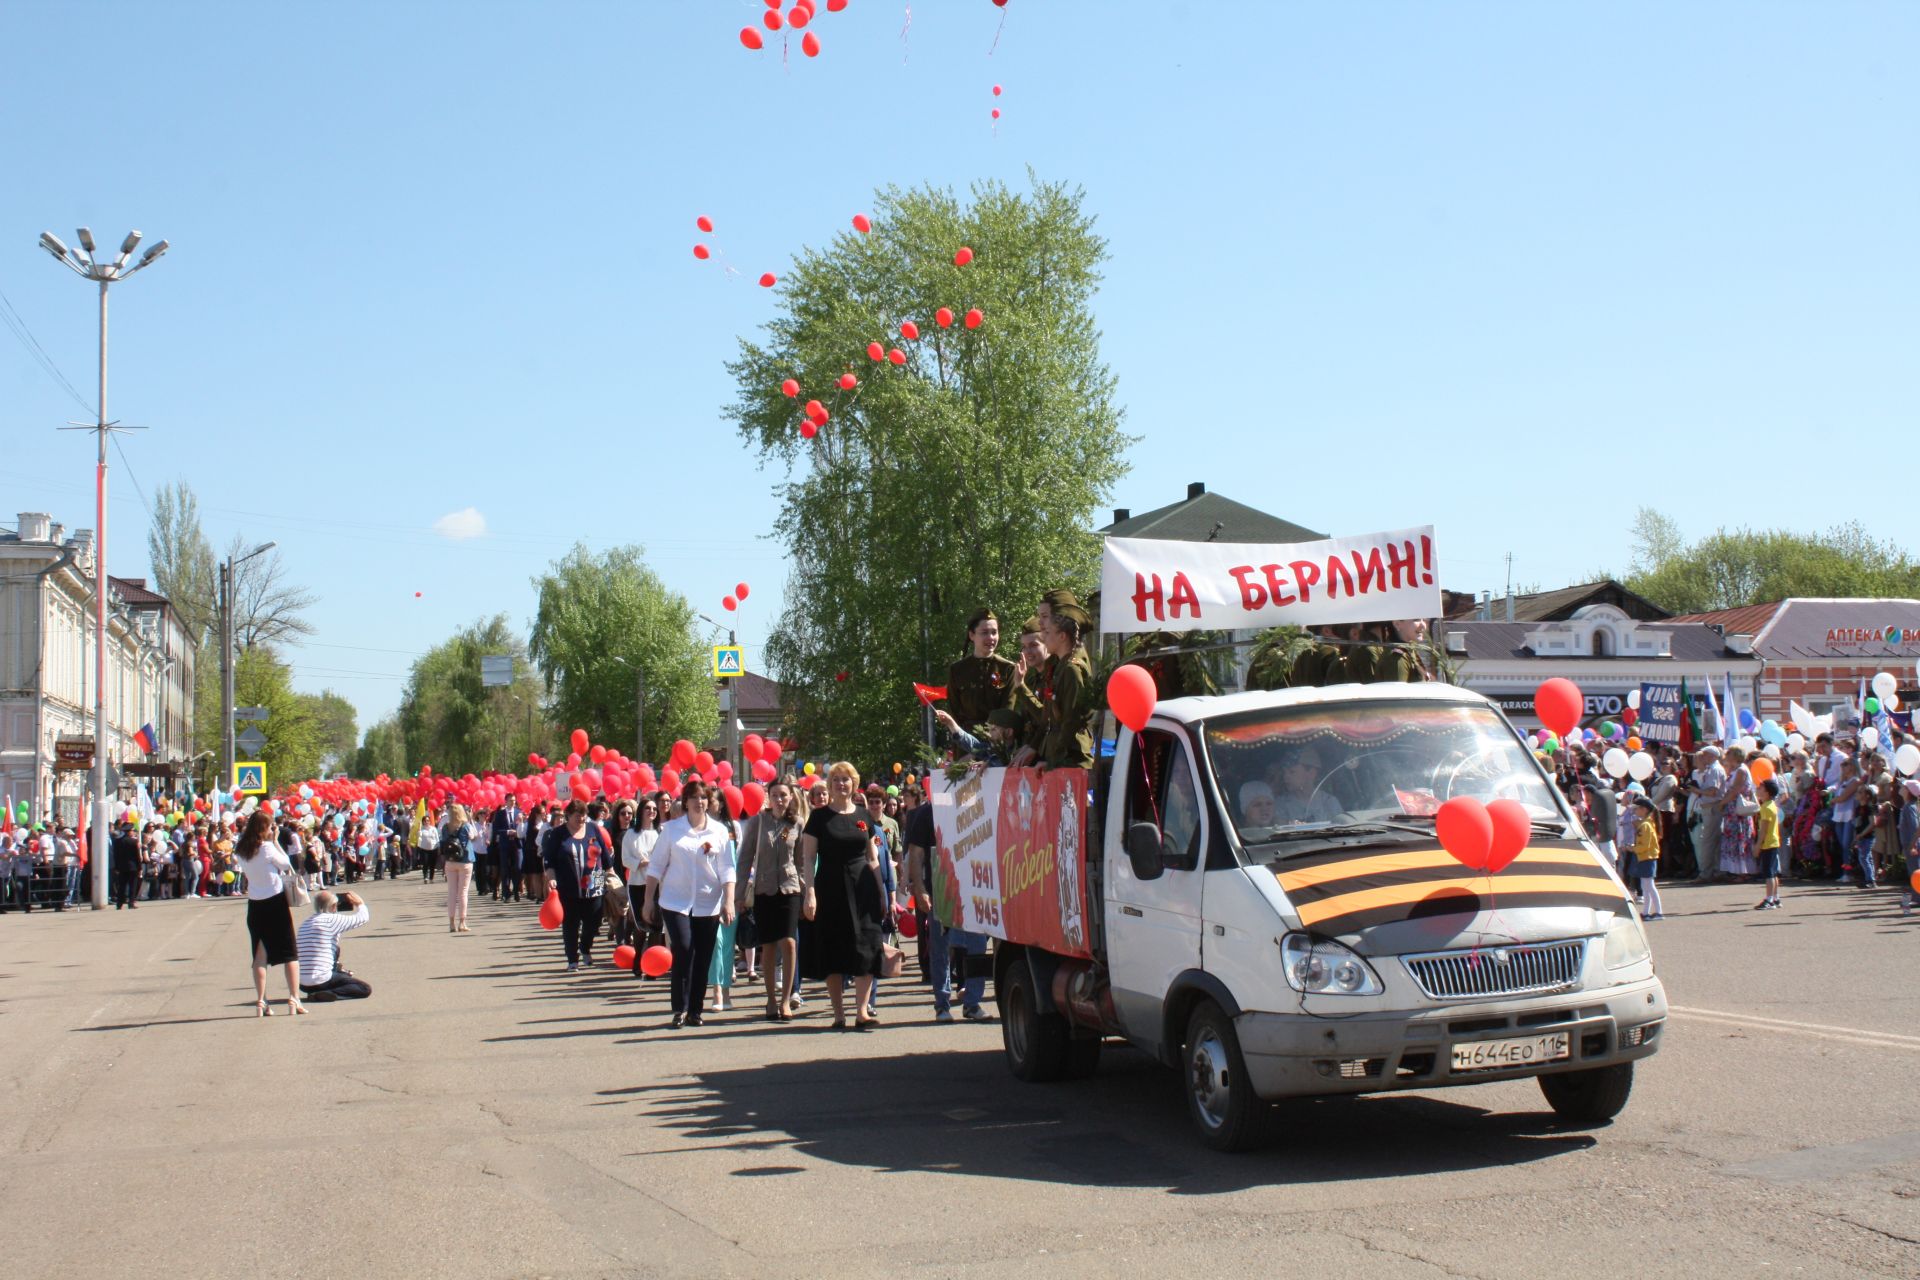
{"type": "Point", "coordinates": [1499, 971]}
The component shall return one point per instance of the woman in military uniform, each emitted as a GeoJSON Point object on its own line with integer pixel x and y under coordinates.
{"type": "Point", "coordinates": [1070, 701]}
{"type": "Point", "coordinates": [983, 681]}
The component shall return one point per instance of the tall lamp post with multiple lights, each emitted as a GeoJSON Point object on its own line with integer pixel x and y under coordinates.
{"type": "Point", "coordinates": [103, 273]}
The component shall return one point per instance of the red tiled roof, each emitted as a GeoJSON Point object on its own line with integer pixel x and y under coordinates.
{"type": "Point", "coordinates": [1747, 621]}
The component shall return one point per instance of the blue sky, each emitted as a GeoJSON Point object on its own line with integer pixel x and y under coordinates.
{"type": "Point", "coordinates": [1511, 269]}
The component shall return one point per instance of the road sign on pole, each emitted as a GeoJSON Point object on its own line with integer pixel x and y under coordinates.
{"type": "Point", "coordinates": [729, 660]}
{"type": "Point", "coordinates": [250, 777]}
{"type": "Point", "coordinates": [251, 740]}
{"type": "Point", "coordinates": [496, 670]}
{"type": "Point", "coordinates": [249, 713]}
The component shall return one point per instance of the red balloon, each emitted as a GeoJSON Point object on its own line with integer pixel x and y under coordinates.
{"type": "Point", "coordinates": [1559, 704]}
{"type": "Point", "coordinates": [811, 45]}
{"type": "Point", "coordinates": [1629, 715]}
{"type": "Point", "coordinates": [552, 913]}
{"type": "Point", "coordinates": [682, 754]}
{"type": "Point", "coordinates": [876, 351]}
{"type": "Point", "coordinates": [750, 38]}
{"type": "Point", "coordinates": [907, 922]}
{"type": "Point", "coordinates": [704, 762]}
{"type": "Point", "coordinates": [740, 590]}
{"type": "Point", "coordinates": [814, 409]}
{"type": "Point", "coordinates": [790, 387]}
{"type": "Point", "coordinates": [897, 356]}
{"type": "Point", "coordinates": [416, 595]}
{"type": "Point", "coordinates": [1466, 831]}
{"type": "Point", "coordinates": [1512, 828]}
{"type": "Point", "coordinates": [655, 961]}
{"type": "Point", "coordinates": [768, 280]}
{"type": "Point", "coordinates": [623, 958]}
{"type": "Point", "coordinates": [750, 746]}
{"type": "Point", "coordinates": [860, 222]}
{"type": "Point", "coordinates": [820, 419]}
{"type": "Point", "coordinates": [909, 330]}
{"type": "Point", "coordinates": [670, 782]}
{"type": "Point", "coordinates": [580, 741]}
{"type": "Point", "coordinates": [700, 252]}
{"type": "Point", "coordinates": [729, 604]}
{"type": "Point", "coordinates": [808, 431]}
{"type": "Point", "coordinates": [735, 800]}
{"type": "Point", "coordinates": [753, 796]}
{"type": "Point", "coordinates": [962, 256]}
{"type": "Point", "coordinates": [848, 382]}
{"type": "Point", "coordinates": [835, 6]}
{"type": "Point", "coordinates": [533, 760]}
{"type": "Point", "coordinates": [598, 755]}
{"type": "Point", "coordinates": [773, 4]}
{"type": "Point", "coordinates": [772, 19]}
{"type": "Point", "coordinates": [996, 113]}
{"type": "Point", "coordinates": [573, 761]}
{"type": "Point", "coordinates": [797, 16]}
{"type": "Point", "coordinates": [765, 771]}
{"type": "Point", "coordinates": [1131, 694]}
{"type": "Point", "coordinates": [770, 748]}
{"type": "Point", "coordinates": [943, 317]}
{"type": "Point", "coordinates": [996, 91]}
{"type": "Point", "coordinates": [840, 677]}
{"type": "Point", "coordinates": [703, 222]}
{"type": "Point", "coordinates": [973, 318]}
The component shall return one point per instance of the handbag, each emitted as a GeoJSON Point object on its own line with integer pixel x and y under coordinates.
{"type": "Point", "coordinates": [297, 895]}
{"type": "Point", "coordinates": [1745, 806]}
{"type": "Point", "coordinates": [891, 959]}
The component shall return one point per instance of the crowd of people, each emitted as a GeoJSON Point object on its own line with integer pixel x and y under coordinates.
{"type": "Point", "coordinates": [1836, 811]}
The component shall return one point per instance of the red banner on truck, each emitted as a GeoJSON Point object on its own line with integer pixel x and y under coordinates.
{"type": "Point", "coordinates": [1011, 857]}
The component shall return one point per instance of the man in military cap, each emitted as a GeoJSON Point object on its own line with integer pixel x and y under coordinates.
{"type": "Point", "coordinates": [983, 680]}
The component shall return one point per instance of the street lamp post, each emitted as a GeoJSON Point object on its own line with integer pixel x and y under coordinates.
{"type": "Point", "coordinates": [733, 699]}
{"type": "Point", "coordinates": [82, 262]}
{"type": "Point", "coordinates": [226, 657]}
{"type": "Point", "coordinates": [639, 707]}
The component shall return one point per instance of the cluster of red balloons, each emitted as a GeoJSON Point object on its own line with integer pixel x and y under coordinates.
{"type": "Point", "coordinates": [732, 602]}
{"type": "Point", "coordinates": [1486, 836]}
{"type": "Point", "coordinates": [704, 252]}
{"type": "Point", "coordinates": [799, 18]}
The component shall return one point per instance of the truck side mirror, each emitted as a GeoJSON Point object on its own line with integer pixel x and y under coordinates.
{"type": "Point", "coordinates": [1144, 851]}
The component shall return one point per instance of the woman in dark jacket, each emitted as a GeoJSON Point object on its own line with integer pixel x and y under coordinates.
{"type": "Point", "coordinates": [577, 861]}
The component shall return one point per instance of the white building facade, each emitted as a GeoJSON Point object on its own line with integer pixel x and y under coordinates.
{"type": "Point", "coordinates": [47, 582]}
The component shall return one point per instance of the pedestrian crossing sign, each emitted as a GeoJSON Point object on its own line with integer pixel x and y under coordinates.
{"type": "Point", "coordinates": [729, 660]}
{"type": "Point", "coordinates": [249, 777]}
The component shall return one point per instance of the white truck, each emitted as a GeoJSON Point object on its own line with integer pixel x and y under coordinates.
{"type": "Point", "coordinates": [1264, 906]}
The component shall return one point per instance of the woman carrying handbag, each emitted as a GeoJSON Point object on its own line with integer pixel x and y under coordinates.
{"type": "Point", "coordinates": [270, 941]}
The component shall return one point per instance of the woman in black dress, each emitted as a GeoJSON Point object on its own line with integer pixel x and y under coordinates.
{"type": "Point", "coordinates": [845, 901]}
{"type": "Point", "coordinates": [270, 937]}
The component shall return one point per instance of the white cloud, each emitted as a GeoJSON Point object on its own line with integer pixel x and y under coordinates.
{"type": "Point", "coordinates": [461, 525]}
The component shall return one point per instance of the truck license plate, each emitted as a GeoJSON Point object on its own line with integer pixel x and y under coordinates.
{"type": "Point", "coordinates": [1503, 1055]}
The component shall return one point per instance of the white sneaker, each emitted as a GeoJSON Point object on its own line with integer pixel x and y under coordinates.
{"type": "Point", "coordinates": [945, 1015]}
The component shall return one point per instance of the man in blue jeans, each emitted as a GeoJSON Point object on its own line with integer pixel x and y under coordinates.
{"type": "Point", "coordinates": [941, 941]}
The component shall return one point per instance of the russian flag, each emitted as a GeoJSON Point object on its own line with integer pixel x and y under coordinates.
{"type": "Point", "coordinates": [146, 739]}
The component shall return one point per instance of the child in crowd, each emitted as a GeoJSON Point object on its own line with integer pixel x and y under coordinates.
{"type": "Point", "coordinates": [1766, 842]}
{"type": "Point", "coordinates": [1646, 858]}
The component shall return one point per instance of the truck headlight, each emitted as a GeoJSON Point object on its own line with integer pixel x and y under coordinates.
{"type": "Point", "coordinates": [1626, 943]}
{"type": "Point", "coordinates": [1324, 968]}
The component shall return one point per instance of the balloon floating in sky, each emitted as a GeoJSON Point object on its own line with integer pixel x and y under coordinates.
{"type": "Point", "coordinates": [909, 330]}
{"type": "Point", "coordinates": [811, 45]}
{"type": "Point", "coordinates": [799, 15]}
{"type": "Point", "coordinates": [943, 317]}
{"type": "Point", "coordinates": [704, 223]}
{"type": "Point", "coordinates": [848, 382]}
{"type": "Point", "coordinates": [876, 351]}
{"type": "Point", "coordinates": [740, 590]}
{"type": "Point", "coordinates": [701, 252]}
{"type": "Point", "coordinates": [729, 604]}
{"type": "Point", "coordinates": [772, 19]}
{"type": "Point", "coordinates": [751, 38]}
{"type": "Point", "coordinates": [996, 91]}
{"type": "Point", "coordinates": [790, 388]}
{"type": "Point", "coordinates": [861, 224]}
{"type": "Point", "coordinates": [962, 256]}
{"type": "Point", "coordinates": [974, 318]}
{"type": "Point", "coordinates": [768, 280]}
{"type": "Point", "coordinates": [897, 356]}
{"type": "Point", "coordinates": [808, 431]}
{"type": "Point", "coordinates": [416, 595]}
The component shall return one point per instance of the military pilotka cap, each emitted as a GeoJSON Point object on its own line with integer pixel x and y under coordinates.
{"type": "Point", "coordinates": [1074, 614]}
{"type": "Point", "coordinates": [1060, 598]}
{"type": "Point", "coordinates": [1031, 626]}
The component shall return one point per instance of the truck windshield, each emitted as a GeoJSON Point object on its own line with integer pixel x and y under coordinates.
{"type": "Point", "coordinates": [1287, 774]}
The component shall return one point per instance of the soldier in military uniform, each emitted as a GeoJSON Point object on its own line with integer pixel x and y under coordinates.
{"type": "Point", "coordinates": [1070, 699]}
{"type": "Point", "coordinates": [982, 681]}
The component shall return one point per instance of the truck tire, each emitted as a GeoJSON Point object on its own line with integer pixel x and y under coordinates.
{"type": "Point", "coordinates": [1225, 1111]}
{"type": "Point", "coordinates": [1594, 1096]}
{"type": "Point", "coordinates": [1038, 1044]}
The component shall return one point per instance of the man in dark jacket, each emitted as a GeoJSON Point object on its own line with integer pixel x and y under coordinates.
{"type": "Point", "coordinates": [125, 852]}
{"type": "Point", "coordinates": [504, 848]}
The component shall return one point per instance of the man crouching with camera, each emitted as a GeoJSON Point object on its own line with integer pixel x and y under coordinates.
{"type": "Point", "coordinates": [321, 977]}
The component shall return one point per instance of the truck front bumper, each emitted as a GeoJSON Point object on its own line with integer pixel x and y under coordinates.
{"type": "Point", "coordinates": [1298, 1055]}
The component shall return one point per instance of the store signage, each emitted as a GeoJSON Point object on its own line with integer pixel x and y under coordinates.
{"type": "Point", "coordinates": [1857, 638]}
{"type": "Point", "coordinates": [73, 753]}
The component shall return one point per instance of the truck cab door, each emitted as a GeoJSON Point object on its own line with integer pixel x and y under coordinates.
{"type": "Point", "coordinates": [1153, 926]}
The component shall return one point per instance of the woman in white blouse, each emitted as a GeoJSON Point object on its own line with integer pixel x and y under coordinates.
{"type": "Point", "coordinates": [269, 918]}
{"type": "Point", "coordinates": [690, 890]}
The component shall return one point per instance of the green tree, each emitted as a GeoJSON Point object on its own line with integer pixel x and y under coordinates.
{"type": "Point", "coordinates": [182, 560]}
{"type": "Point", "coordinates": [450, 720]}
{"type": "Point", "coordinates": [296, 740]}
{"type": "Point", "coordinates": [339, 734]}
{"type": "Point", "coordinates": [384, 750]}
{"type": "Point", "coordinates": [1727, 570]}
{"type": "Point", "coordinates": [968, 476]}
{"type": "Point", "coordinates": [602, 619]}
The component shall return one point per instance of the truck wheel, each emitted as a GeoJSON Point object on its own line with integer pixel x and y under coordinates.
{"type": "Point", "coordinates": [1037, 1043]}
{"type": "Point", "coordinates": [1220, 1097]}
{"type": "Point", "coordinates": [1594, 1096]}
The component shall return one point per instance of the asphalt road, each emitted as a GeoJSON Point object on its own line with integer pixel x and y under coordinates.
{"type": "Point", "coordinates": [487, 1114]}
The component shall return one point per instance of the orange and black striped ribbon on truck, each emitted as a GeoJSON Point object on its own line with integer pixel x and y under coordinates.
{"type": "Point", "coordinates": [1336, 893]}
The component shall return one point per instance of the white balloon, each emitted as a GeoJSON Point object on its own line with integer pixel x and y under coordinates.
{"type": "Point", "coordinates": [1796, 742]}
{"type": "Point", "coordinates": [1641, 765]}
{"type": "Point", "coordinates": [1747, 745]}
{"type": "Point", "coordinates": [1633, 699]}
{"type": "Point", "coordinates": [1869, 738]}
{"type": "Point", "coordinates": [1884, 685]}
{"type": "Point", "coordinates": [1615, 762]}
{"type": "Point", "coordinates": [1771, 752]}
{"type": "Point", "coordinates": [1907, 759]}
{"type": "Point", "coordinates": [1891, 702]}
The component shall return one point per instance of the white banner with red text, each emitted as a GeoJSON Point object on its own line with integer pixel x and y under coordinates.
{"type": "Point", "coordinates": [1150, 584]}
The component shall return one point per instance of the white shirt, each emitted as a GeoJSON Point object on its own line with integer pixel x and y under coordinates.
{"type": "Point", "coordinates": [636, 850]}
{"type": "Point", "coordinates": [264, 870]}
{"type": "Point", "coordinates": [319, 941]}
{"type": "Point", "coordinates": [694, 868]}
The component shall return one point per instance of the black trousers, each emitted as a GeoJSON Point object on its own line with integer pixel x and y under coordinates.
{"type": "Point", "coordinates": [691, 940]}
{"type": "Point", "coordinates": [428, 859]}
{"type": "Point", "coordinates": [580, 926]}
{"type": "Point", "coordinates": [510, 877]}
{"type": "Point", "coordinates": [126, 886]}
{"type": "Point", "coordinates": [341, 986]}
